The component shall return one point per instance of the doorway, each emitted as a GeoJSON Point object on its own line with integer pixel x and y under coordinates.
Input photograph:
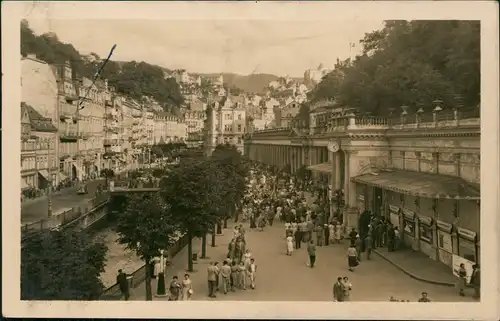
{"type": "Point", "coordinates": [377, 201]}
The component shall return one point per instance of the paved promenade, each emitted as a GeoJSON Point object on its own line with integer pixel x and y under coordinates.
{"type": "Point", "coordinates": [284, 278]}
{"type": "Point", "coordinates": [35, 210]}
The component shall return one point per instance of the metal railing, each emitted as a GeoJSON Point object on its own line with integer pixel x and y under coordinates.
{"type": "Point", "coordinates": [64, 218]}
{"type": "Point", "coordinates": [113, 293]}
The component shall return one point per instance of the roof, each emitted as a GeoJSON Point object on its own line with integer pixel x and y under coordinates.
{"type": "Point", "coordinates": [421, 184]}
{"type": "Point", "coordinates": [38, 122]}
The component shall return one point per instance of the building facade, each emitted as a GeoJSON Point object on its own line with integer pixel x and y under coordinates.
{"type": "Point", "coordinates": [39, 161]}
{"type": "Point", "coordinates": [420, 171]}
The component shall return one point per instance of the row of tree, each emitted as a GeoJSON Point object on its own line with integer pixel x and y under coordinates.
{"type": "Point", "coordinates": [194, 197]}
{"type": "Point", "coordinates": [409, 63]}
{"type": "Point", "coordinates": [133, 79]}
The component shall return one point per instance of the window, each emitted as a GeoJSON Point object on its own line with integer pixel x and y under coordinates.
{"type": "Point", "coordinates": [426, 232]}
{"type": "Point", "coordinates": [227, 128]}
{"type": "Point", "coordinates": [239, 116]}
{"type": "Point", "coordinates": [239, 128]}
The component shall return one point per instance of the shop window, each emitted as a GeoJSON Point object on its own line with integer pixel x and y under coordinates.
{"type": "Point", "coordinates": [467, 249]}
{"type": "Point", "coordinates": [426, 233]}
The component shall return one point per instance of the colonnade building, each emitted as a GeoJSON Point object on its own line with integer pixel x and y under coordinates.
{"type": "Point", "coordinates": [419, 170]}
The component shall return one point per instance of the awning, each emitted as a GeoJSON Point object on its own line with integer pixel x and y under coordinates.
{"type": "Point", "coordinates": [322, 168]}
{"type": "Point", "coordinates": [62, 177]}
{"type": "Point", "coordinates": [44, 173]}
{"type": "Point", "coordinates": [421, 184]}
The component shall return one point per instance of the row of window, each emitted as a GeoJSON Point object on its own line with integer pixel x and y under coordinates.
{"type": "Point", "coordinates": [40, 162]}
{"type": "Point", "coordinates": [230, 116]}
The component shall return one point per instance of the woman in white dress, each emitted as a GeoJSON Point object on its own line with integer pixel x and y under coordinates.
{"type": "Point", "coordinates": [246, 257]}
{"type": "Point", "coordinates": [331, 233]}
{"type": "Point", "coordinates": [294, 227]}
{"type": "Point", "coordinates": [338, 228]}
{"type": "Point", "coordinates": [187, 288]}
{"type": "Point", "coordinates": [289, 245]}
{"type": "Point", "coordinates": [156, 266]}
{"type": "Point", "coordinates": [347, 288]}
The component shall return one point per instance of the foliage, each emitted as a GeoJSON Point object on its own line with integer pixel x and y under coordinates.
{"type": "Point", "coordinates": [62, 265]}
{"type": "Point", "coordinates": [134, 79]}
{"type": "Point", "coordinates": [191, 191]}
{"type": "Point", "coordinates": [409, 63]}
{"type": "Point", "coordinates": [146, 227]}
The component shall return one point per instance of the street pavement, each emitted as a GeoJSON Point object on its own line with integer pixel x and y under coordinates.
{"type": "Point", "coordinates": [287, 278]}
{"type": "Point", "coordinates": [35, 210]}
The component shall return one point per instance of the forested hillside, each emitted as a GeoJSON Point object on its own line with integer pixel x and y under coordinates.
{"type": "Point", "coordinates": [410, 63]}
{"type": "Point", "coordinates": [135, 79]}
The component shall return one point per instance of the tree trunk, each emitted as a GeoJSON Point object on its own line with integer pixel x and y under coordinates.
{"type": "Point", "coordinates": [204, 246]}
{"type": "Point", "coordinates": [149, 293]}
{"type": "Point", "coordinates": [190, 253]}
{"type": "Point", "coordinates": [213, 236]}
{"type": "Point", "coordinates": [219, 228]}
{"type": "Point", "coordinates": [225, 222]}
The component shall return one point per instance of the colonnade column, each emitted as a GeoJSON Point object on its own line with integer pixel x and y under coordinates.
{"type": "Point", "coordinates": [337, 171]}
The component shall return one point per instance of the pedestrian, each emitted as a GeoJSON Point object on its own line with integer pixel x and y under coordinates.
{"type": "Point", "coordinates": [424, 298]}
{"type": "Point", "coordinates": [352, 257]}
{"type": "Point", "coordinates": [347, 288]}
{"type": "Point", "coordinates": [352, 235]}
{"type": "Point", "coordinates": [326, 234]}
{"type": "Point", "coordinates": [217, 279]}
{"type": "Point", "coordinates": [338, 236]}
{"type": "Point", "coordinates": [368, 246]}
{"type": "Point", "coordinates": [358, 244]}
{"type": "Point", "coordinates": [187, 288]}
{"type": "Point", "coordinates": [396, 238]}
{"type": "Point", "coordinates": [252, 269]}
{"type": "Point", "coordinates": [212, 277]}
{"type": "Point", "coordinates": [289, 245]}
{"type": "Point", "coordinates": [311, 251]}
{"type": "Point", "coordinates": [338, 290]}
{"type": "Point", "coordinates": [475, 281]}
{"type": "Point", "coordinates": [122, 281]}
{"type": "Point", "coordinates": [390, 238]}
{"type": "Point", "coordinates": [462, 279]}
{"type": "Point", "coordinates": [242, 276]}
{"type": "Point", "coordinates": [234, 275]}
{"type": "Point", "coordinates": [331, 233]}
{"type": "Point", "coordinates": [319, 234]}
{"type": "Point", "coordinates": [225, 273]}
{"type": "Point", "coordinates": [174, 289]}
{"type": "Point", "coordinates": [298, 237]}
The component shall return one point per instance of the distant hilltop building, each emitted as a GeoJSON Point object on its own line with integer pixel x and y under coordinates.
{"type": "Point", "coordinates": [314, 75]}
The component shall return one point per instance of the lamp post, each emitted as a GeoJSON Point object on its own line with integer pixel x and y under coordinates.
{"type": "Point", "coordinates": [49, 191]}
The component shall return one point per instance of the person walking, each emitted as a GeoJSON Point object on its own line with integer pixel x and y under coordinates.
{"type": "Point", "coordinates": [225, 273]}
{"type": "Point", "coordinates": [174, 289]}
{"type": "Point", "coordinates": [358, 244]}
{"type": "Point", "coordinates": [187, 288]}
{"type": "Point", "coordinates": [298, 237]}
{"type": "Point", "coordinates": [462, 279]}
{"type": "Point", "coordinates": [390, 238]}
{"type": "Point", "coordinates": [311, 251]}
{"type": "Point", "coordinates": [289, 245]}
{"type": "Point", "coordinates": [347, 288]}
{"type": "Point", "coordinates": [475, 281]}
{"type": "Point", "coordinates": [331, 233]}
{"type": "Point", "coordinates": [234, 275]}
{"type": "Point", "coordinates": [319, 234]}
{"type": "Point", "coordinates": [338, 290]}
{"type": "Point", "coordinates": [352, 257]}
{"type": "Point", "coordinates": [242, 278]}
{"type": "Point", "coordinates": [252, 269]}
{"type": "Point", "coordinates": [368, 246]}
{"type": "Point", "coordinates": [122, 281]}
{"type": "Point", "coordinates": [212, 277]}
{"type": "Point", "coordinates": [338, 231]}
{"type": "Point", "coordinates": [217, 278]}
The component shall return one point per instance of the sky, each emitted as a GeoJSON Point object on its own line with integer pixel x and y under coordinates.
{"type": "Point", "coordinates": [212, 46]}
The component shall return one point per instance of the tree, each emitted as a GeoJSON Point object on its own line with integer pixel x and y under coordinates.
{"type": "Point", "coordinates": [191, 190]}
{"type": "Point", "coordinates": [409, 63]}
{"type": "Point", "coordinates": [146, 227]}
{"type": "Point", "coordinates": [62, 265]}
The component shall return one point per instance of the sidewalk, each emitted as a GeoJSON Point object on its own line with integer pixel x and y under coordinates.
{"type": "Point", "coordinates": [179, 266]}
{"type": "Point", "coordinates": [419, 266]}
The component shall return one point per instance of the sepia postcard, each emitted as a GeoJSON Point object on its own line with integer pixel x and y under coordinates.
{"type": "Point", "coordinates": [297, 160]}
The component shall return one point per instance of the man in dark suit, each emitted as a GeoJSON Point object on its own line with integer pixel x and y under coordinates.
{"type": "Point", "coordinates": [122, 281]}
